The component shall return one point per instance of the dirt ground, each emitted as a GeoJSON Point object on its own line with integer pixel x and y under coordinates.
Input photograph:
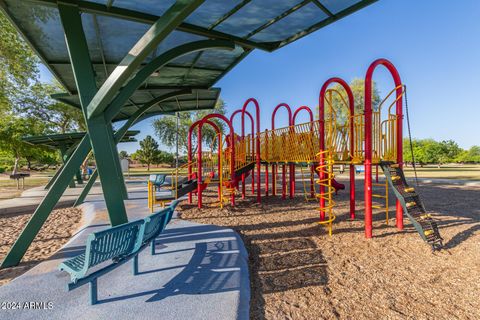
{"type": "Point", "coordinates": [298, 272]}
{"type": "Point", "coordinates": [56, 231]}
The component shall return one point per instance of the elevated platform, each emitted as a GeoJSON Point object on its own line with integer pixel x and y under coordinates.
{"type": "Point", "coordinates": [195, 267]}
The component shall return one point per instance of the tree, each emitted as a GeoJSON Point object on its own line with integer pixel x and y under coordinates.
{"type": "Point", "coordinates": [36, 102]}
{"type": "Point", "coordinates": [165, 127]}
{"type": "Point", "coordinates": [12, 129]}
{"type": "Point", "coordinates": [448, 151]}
{"type": "Point", "coordinates": [341, 105]}
{"type": "Point", "coordinates": [148, 151]}
{"type": "Point", "coordinates": [472, 155]}
{"type": "Point", "coordinates": [18, 63]}
{"type": "Point", "coordinates": [163, 157]}
{"type": "Point", "coordinates": [123, 155]}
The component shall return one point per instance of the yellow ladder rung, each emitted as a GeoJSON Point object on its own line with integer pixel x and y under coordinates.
{"type": "Point", "coordinates": [425, 216]}
{"type": "Point", "coordinates": [428, 232]}
{"type": "Point", "coordinates": [378, 207]}
{"type": "Point", "coordinates": [396, 165]}
{"type": "Point", "coordinates": [409, 190]}
{"type": "Point", "coordinates": [395, 178]}
{"type": "Point", "coordinates": [378, 196]}
{"type": "Point", "coordinates": [411, 204]}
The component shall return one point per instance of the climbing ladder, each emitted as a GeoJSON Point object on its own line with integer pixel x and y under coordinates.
{"type": "Point", "coordinates": [412, 205]}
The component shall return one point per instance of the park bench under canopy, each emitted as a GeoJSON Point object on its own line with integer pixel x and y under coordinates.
{"type": "Point", "coordinates": [113, 55]}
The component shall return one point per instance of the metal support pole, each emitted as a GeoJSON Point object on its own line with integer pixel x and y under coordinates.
{"type": "Point", "coordinates": [176, 138]}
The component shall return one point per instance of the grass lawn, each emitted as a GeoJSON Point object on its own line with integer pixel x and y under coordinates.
{"type": "Point", "coordinates": [461, 172]}
{"type": "Point", "coordinates": [8, 187]}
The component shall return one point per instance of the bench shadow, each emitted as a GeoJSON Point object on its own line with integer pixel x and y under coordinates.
{"type": "Point", "coordinates": [215, 267]}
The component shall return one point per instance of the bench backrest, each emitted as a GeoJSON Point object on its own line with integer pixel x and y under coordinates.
{"type": "Point", "coordinates": [115, 242]}
{"type": "Point", "coordinates": [155, 224]}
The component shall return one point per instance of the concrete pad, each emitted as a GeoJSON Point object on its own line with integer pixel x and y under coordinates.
{"type": "Point", "coordinates": [198, 272]}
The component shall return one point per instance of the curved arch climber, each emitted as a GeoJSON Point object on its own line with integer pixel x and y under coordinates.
{"type": "Point", "coordinates": [310, 113]}
{"type": "Point", "coordinates": [274, 167]}
{"type": "Point", "coordinates": [321, 118]}
{"type": "Point", "coordinates": [253, 147]}
{"type": "Point", "coordinates": [312, 168]}
{"type": "Point", "coordinates": [257, 139]}
{"type": "Point", "coordinates": [368, 139]}
{"type": "Point", "coordinates": [199, 153]}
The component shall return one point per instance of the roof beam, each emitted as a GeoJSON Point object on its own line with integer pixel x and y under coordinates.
{"type": "Point", "coordinates": [329, 20]}
{"type": "Point", "coordinates": [323, 8]}
{"type": "Point", "coordinates": [283, 15]}
{"type": "Point", "coordinates": [229, 14]}
{"type": "Point", "coordinates": [132, 15]}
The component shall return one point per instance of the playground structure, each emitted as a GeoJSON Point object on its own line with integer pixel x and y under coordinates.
{"type": "Point", "coordinates": [372, 138]}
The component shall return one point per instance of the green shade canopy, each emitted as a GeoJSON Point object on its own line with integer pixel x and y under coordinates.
{"type": "Point", "coordinates": [66, 140]}
{"type": "Point", "coordinates": [112, 27]}
{"type": "Point", "coordinates": [197, 100]}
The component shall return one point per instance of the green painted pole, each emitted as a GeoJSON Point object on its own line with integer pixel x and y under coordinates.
{"type": "Point", "coordinates": [87, 188]}
{"type": "Point", "coordinates": [65, 155]}
{"type": "Point", "coordinates": [99, 130]}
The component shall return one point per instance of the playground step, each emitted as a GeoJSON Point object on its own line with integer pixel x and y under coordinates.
{"type": "Point", "coordinates": [412, 205]}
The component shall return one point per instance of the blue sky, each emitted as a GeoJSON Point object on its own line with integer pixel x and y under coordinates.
{"type": "Point", "coordinates": [433, 43]}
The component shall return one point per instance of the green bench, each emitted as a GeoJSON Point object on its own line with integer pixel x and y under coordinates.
{"type": "Point", "coordinates": [110, 248]}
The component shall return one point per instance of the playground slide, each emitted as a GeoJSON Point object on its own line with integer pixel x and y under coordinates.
{"type": "Point", "coordinates": [337, 185]}
{"type": "Point", "coordinates": [183, 188]}
{"type": "Point", "coordinates": [412, 205]}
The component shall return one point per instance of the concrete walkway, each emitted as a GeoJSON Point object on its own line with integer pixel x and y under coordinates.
{"type": "Point", "coordinates": [198, 272]}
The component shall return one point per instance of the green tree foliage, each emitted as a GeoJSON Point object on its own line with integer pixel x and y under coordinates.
{"type": "Point", "coordinates": [36, 103]}
{"type": "Point", "coordinates": [165, 128]}
{"type": "Point", "coordinates": [429, 151]}
{"type": "Point", "coordinates": [12, 129]}
{"type": "Point", "coordinates": [163, 157]}
{"type": "Point", "coordinates": [18, 64]}
{"type": "Point", "coordinates": [341, 105]}
{"type": "Point", "coordinates": [25, 104]}
{"type": "Point", "coordinates": [148, 151]}
{"type": "Point", "coordinates": [472, 155]}
{"type": "Point", "coordinates": [123, 155]}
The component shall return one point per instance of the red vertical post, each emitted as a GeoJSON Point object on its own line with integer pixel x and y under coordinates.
{"type": "Point", "coordinates": [368, 148]}
{"type": "Point", "coordinates": [199, 167]}
{"type": "Point", "coordinates": [266, 163]}
{"type": "Point", "coordinates": [274, 179]}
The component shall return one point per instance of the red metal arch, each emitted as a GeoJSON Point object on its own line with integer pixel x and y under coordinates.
{"type": "Point", "coordinates": [368, 139]}
{"type": "Point", "coordinates": [189, 148]}
{"type": "Point", "coordinates": [312, 168]}
{"type": "Point", "coordinates": [253, 147]}
{"type": "Point", "coordinates": [310, 113]}
{"type": "Point", "coordinates": [321, 118]}
{"type": "Point", "coordinates": [199, 153]}
{"type": "Point", "coordinates": [257, 142]}
{"type": "Point", "coordinates": [292, 167]}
